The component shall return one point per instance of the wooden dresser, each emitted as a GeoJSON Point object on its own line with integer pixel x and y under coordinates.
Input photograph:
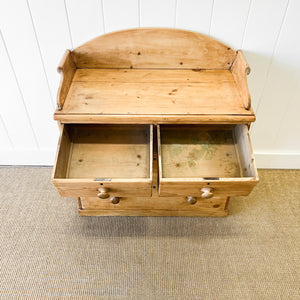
{"type": "Point", "coordinates": [154, 122]}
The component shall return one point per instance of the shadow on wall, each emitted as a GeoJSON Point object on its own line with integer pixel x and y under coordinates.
{"type": "Point", "coordinates": [275, 93]}
{"type": "Point", "coordinates": [271, 79]}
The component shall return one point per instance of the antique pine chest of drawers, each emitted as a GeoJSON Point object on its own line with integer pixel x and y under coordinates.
{"type": "Point", "coordinates": [154, 122]}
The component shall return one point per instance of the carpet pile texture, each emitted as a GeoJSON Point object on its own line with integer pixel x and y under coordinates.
{"type": "Point", "coordinates": [49, 252]}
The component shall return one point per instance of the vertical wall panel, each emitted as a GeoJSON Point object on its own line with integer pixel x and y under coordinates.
{"type": "Point", "coordinates": [260, 38]}
{"type": "Point", "coordinates": [288, 136]}
{"type": "Point", "coordinates": [277, 117]}
{"type": "Point", "coordinates": [228, 22]}
{"type": "Point", "coordinates": [5, 142]}
{"type": "Point", "coordinates": [13, 111]}
{"type": "Point", "coordinates": [157, 13]}
{"type": "Point", "coordinates": [86, 20]}
{"type": "Point", "coordinates": [194, 15]}
{"type": "Point", "coordinates": [288, 52]}
{"type": "Point", "coordinates": [26, 61]}
{"type": "Point", "coordinates": [34, 35]}
{"type": "Point", "coordinates": [120, 14]}
{"type": "Point", "coordinates": [51, 26]}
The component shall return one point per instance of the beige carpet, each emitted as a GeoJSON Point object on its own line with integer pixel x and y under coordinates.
{"type": "Point", "coordinates": [49, 252]}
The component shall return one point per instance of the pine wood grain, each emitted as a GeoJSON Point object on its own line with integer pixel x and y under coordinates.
{"type": "Point", "coordinates": [155, 119]}
{"type": "Point", "coordinates": [197, 151]}
{"type": "Point", "coordinates": [155, 205]}
{"type": "Point", "coordinates": [240, 69]}
{"type": "Point", "coordinates": [67, 70]}
{"type": "Point", "coordinates": [110, 151]}
{"type": "Point", "coordinates": [136, 92]}
{"type": "Point", "coordinates": [154, 76]}
{"type": "Point", "coordinates": [193, 157]}
{"type": "Point", "coordinates": [222, 187]}
{"type": "Point", "coordinates": [245, 151]}
{"type": "Point", "coordinates": [108, 156]}
{"type": "Point", "coordinates": [154, 213]}
{"type": "Point", "coordinates": [154, 48]}
{"type": "Point", "coordinates": [155, 202]}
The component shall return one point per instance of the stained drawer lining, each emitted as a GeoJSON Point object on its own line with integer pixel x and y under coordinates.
{"type": "Point", "coordinates": [184, 167]}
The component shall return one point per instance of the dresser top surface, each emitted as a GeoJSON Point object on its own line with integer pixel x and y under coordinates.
{"type": "Point", "coordinates": [128, 92]}
{"type": "Point", "coordinates": [154, 75]}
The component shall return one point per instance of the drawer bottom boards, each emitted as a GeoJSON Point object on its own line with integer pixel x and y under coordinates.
{"type": "Point", "coordinates": [154, 206]}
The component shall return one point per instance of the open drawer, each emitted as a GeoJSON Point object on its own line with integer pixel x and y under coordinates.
{"type": "Point", "coordinates": [205, 160]}
{"type": "Point", "coordinates": [104, 161]}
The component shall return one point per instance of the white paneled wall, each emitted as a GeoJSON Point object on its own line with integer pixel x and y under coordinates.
{"type": "Point", "coordinates": [35, 33]}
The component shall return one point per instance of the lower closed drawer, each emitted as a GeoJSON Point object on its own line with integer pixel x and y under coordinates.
{"type": "Point", "coordinates": [104, 161]}
{"type": "Point", "coordinates": [205, 160]}
{"type": "Point", "coordinates": [161, 203]}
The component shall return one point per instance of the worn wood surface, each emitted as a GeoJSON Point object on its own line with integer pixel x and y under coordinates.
{"type": "Point", "coordinates": [154, 119]}
{"type": "Point", "coordinates": [154, 48]}
{"type": "Point", "coordinates": [110, 151]}
{"type": "Point", "coordinates": [240, 69]}
{"type": "Point", "coordinates": [156, 205]}
{"type": "Point", "coordinates": [67, 70]}
{"type": "Point", "coordinates": [221, 187]}
{"type": "Point", "coordinates": [197, 151]}
{"type": "Point", "coordinates": [155, 213]}
{"type": "Point", "coordinates": [245, 151]}
{"type": "Point", "coordinates": [151, 92]}
{"type": "Point", "coordinates": [62, 155]}
{"type": "Point", "coordinates": [167, 206]}
{"type": "Point", "coordinates": [155, 202]}
{"type": "Point", "coordinates": [116, 187]}
{"type": "Point", "coordinates": [154, 76]}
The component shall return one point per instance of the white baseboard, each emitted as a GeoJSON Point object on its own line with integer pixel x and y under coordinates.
{"type": "Point", "coordinates": [28, 157]}
{"type": "Point", "coordinates": [46, 158]}
{"type": "Point", "coordinates": [277, 160]}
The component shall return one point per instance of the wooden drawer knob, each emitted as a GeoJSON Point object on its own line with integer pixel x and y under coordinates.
{"type": "Point", "coordinates": [191, 200]}
{"type": "Point", "coordinates": [103, 193]}
{"type": "Point", "coordinates": [114, 200]}
{"type": "Point", "coordinates": [207, 192]}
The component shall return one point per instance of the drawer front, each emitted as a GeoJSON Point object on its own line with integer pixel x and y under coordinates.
{"type": "Point", "coordinates": [199, 189]}
{"type": "Point", "coordinates": [205, 161]}
{"type": "Point", "coordinates": [74, 188]}
{"type": "Point", "coordinates": [161, 203]}
{"type": "Point", "coordinates": [104, 161]}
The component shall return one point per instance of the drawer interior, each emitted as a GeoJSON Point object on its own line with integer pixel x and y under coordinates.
{"type": "Point", "coordinates": [205, 151]}
{"type": "Point", "coordinates": [104, 151]}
